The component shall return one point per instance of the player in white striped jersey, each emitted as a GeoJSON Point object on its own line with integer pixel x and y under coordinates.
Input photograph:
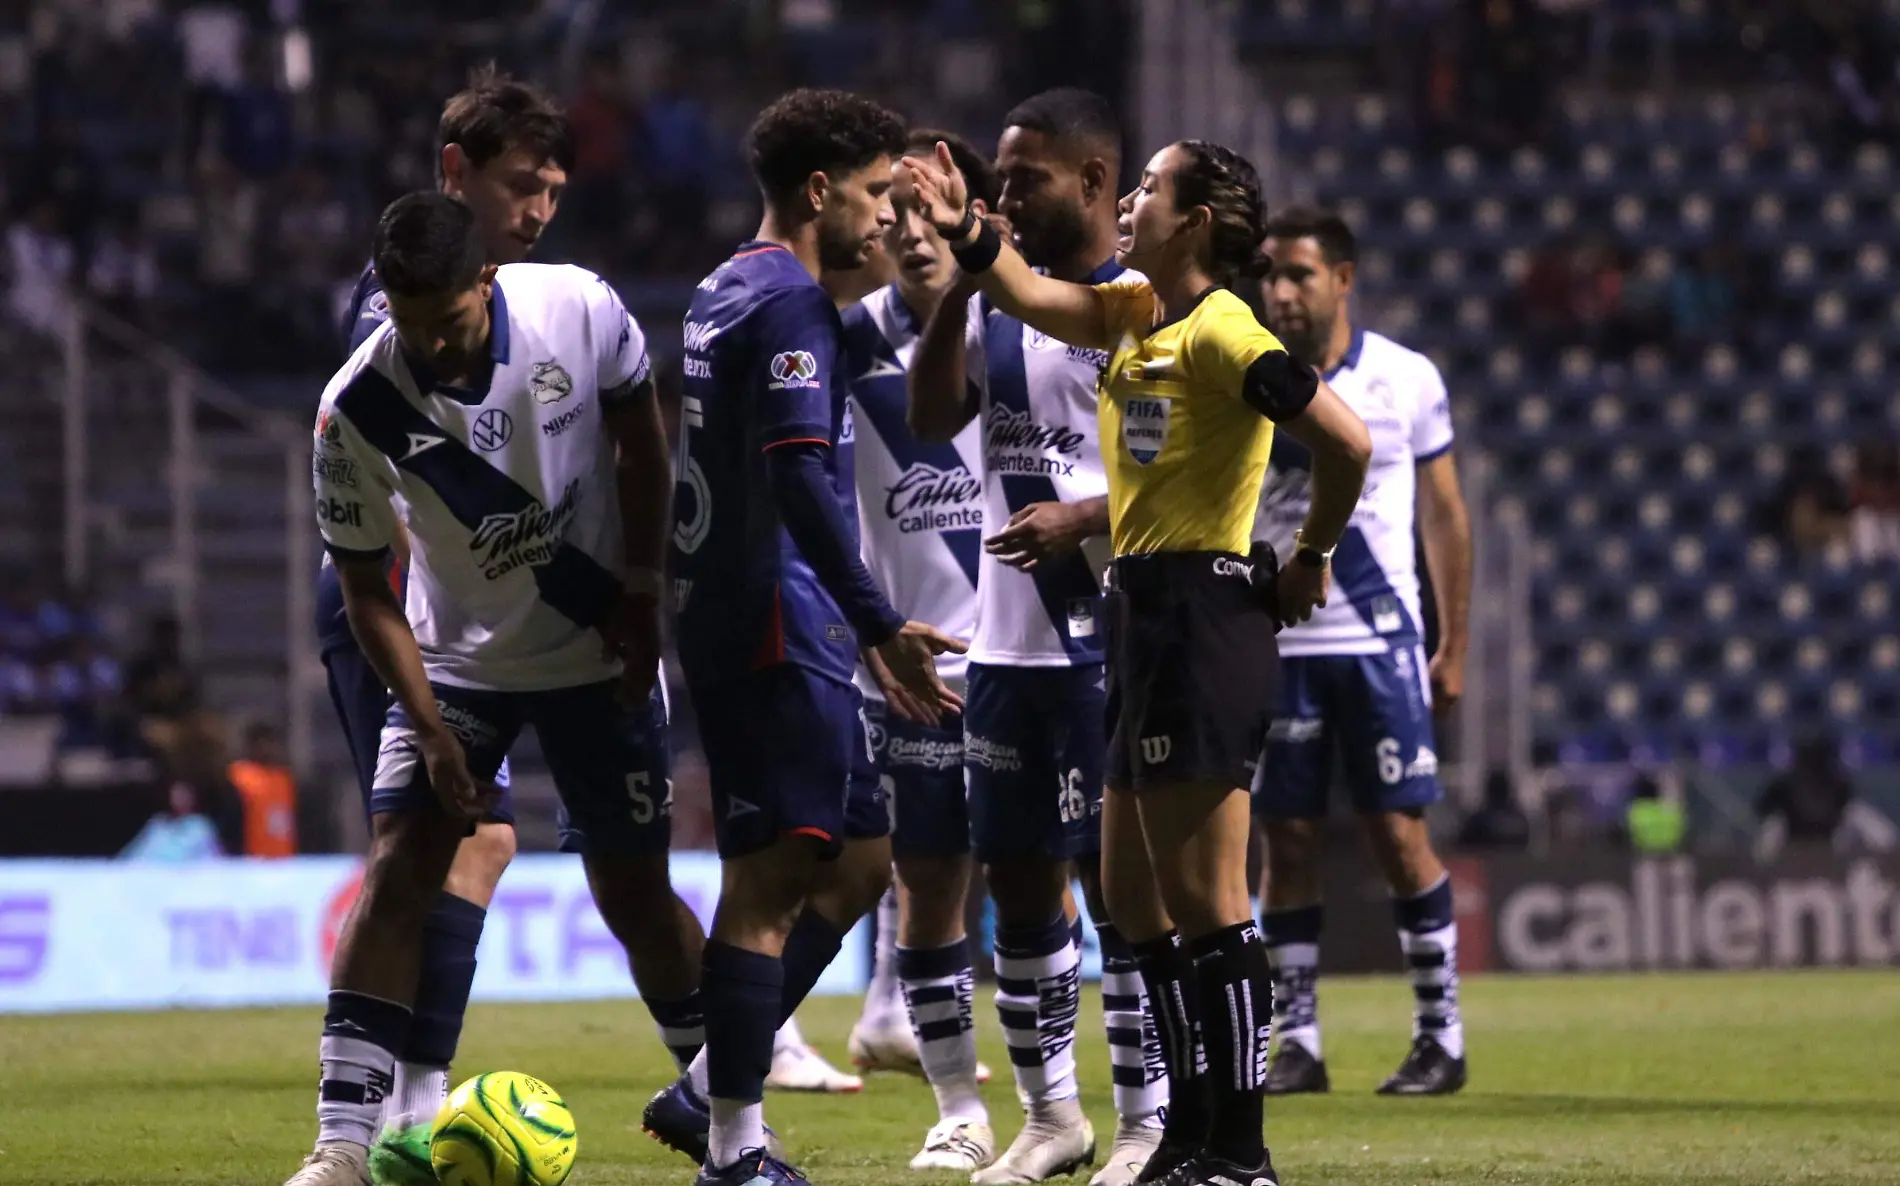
{"type": "Point", "coordinates": [1356, 680]}
{"type": "Point", "coordinates": [507, 418]}
{"type": "Point", "coordinates": [920, 508]}
{"type": "Point", "coordinates": [1034, 718]}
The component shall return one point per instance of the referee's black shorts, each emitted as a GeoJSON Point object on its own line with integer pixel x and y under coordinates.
{"type": "Point", "coordinates": [1193, 667]}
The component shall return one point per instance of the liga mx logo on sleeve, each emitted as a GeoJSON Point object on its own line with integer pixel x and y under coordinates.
{"type": "Point", "coordinates": [792, 369]}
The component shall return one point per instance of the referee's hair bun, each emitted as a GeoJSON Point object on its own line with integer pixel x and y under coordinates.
{"type": "Point", "coordinates": [1257, 268]}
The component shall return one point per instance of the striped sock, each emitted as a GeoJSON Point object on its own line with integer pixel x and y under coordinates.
{"type": "Point", "coordinates": [1293, 948]}
{"type": "Point", "coordinates": [361, 1035]}
{"type": "Point", "coordinates": [1428, 935]}
{"type": "Point", "coordinates": [1236, 986]}
{"type": "Point", "coordinates": [940, 991]}
{"type": "Point", "coordinates": [1038, 994]}
{"type": "Point", "coordinates": [1140, 1078]}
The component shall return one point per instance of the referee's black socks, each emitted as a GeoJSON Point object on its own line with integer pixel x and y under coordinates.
{"type": "Point", "coordinates": [1236, 1007]}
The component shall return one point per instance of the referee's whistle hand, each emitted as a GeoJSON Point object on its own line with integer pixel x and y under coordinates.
{"type": "Point", "coordinates": [1301, 589]}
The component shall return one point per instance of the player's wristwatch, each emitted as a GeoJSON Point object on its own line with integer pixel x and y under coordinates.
{"type": "Point", "coordinates": [1309, 555]}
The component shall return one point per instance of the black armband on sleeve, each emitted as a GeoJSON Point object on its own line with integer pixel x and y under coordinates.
{"type": "Point", "coordinates": [1278, 385]}
{"type": "Point", "coordinates": [977, 257]}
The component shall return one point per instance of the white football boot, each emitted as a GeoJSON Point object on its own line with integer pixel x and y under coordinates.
{"type": "Point", "coordinates": [340, 1164]}
{"type": "Point", "coordinates": [957, 1144]}
{"type": "Point", "coordinates": [1056, 1139]}
{"type": "Point", "coordinates": [1134, 1144]}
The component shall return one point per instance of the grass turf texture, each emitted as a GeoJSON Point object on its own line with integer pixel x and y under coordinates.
{"type": "Point", "coordinates": [1698, 1080]}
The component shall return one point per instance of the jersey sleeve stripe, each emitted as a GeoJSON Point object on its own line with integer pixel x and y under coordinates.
{"type": "Point", "coordinates": [1434, 455]}
{"type": "Point", "coordinates": [771, 445]}
{"type": "Point", "coordinates": [343, 553]}
{"type": "Point", "coordinates": [475, 492]}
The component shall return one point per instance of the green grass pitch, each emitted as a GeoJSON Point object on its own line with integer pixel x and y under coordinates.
{"type": "Point", "coordinates": [1736, 1080]}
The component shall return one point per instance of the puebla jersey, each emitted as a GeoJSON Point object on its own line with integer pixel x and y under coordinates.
{"type": "Point", "coordinates": [920, 506]}
{"type": "Point", "coordinates": [1038, 415]}
{"type": "Point", "coordinates": [763, 368]}
{"type": "Point", "coordinates": [508, 492]}
{"type": "Point", "coordinates": [1374, 606]}
{"type": "Point", "coordinates": [367, 311]}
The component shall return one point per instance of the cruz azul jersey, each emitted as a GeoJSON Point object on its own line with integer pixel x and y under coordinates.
{"type": "Point", "coordinates": [1374, 605]}
{"type": "Point", "coordinates": [1038, 412]}
{"type": "Point", "coordinates": [508, 493]}
{"type": "Point", "coordinates": [920, 507]}
{"type": "Point", "coordinates": [763, 368]}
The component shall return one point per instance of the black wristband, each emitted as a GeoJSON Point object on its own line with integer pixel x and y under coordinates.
{"type": "Point", "coordinates": [976, 258]}
{"type": "Point", "coordinates": [962, 229]}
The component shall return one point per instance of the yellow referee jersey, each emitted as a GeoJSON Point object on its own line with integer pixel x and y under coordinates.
{"type": "Point", "coordinates": [1185, 452]}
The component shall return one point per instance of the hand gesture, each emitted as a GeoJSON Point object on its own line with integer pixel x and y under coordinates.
{"type": "Point", "coordinates": [631, 634]}
{"type": "Point", "coordinates": [938, 189]}
{"type": "Point", "coordinates": [910, 663]}
{"type": "Point", "coordinates": [1301, 588]}
{"type": "Point", "coordinates": [1038, 532]}
{"type": "Point", "coordinates": [455, 788]}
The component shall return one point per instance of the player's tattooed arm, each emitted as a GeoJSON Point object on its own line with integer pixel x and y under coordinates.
{"type": "Point", "coordinates": [1072, 313]}
{"type": "Point", "coordinates": [382, 631]}
{"type": "Point", "coordinates": [644, 485]}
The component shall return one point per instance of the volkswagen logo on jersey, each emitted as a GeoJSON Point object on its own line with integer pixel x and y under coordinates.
{"type": "Point", "coordinates": [550, 383]}
{"type": "Point", "coordinates": [493, 429]}
{"type": "Point", "coordinates": [793, 368]}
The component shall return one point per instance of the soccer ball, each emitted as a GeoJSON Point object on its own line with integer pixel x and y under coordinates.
{"type": "Point", "coordinates": [503, 1129]}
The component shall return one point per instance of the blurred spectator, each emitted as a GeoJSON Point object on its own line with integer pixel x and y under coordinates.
{"type": "Point", "coordinates": [258, 137]}
{"type": "Point", "coordinates": [40, 261]}
{"type": "Point", "coordinates": [1813, 803]}
{"type": "Point", "coordinates": [268, 792]}
{"type": "Point", "coordinates": [1654, 822]}
{"type": "Point", "coordinates": [314, 244]}
{"type": "Point", "coordinates": [674, 130]}
{"type": "Point", "coordinates": [1573, 296]}
{"type": "Point", "coordinates": [1809, 510]}
{"type": "Point", "coordinates": [1873, 518]}
{"type": "Point", "coordinates": [178, 833]}
{"type": "Point", "coordinates": [602, 124]}
{"type": "Point", "coordinates": [161, 689]}
{"type": "Point", "coordinates": [1702, 298]}
{"type": "Point", "coordinates": [212, 36]}
{"type": "Point", "coordinates": [1500, 822]}
{"type": "Point", "coordinates": [84, 686]}
{"type": "Point", "coordinates": [123, 274]}
{"type": "Point", "coordinates": [228, 208]}
{"type": "Point", "coordinates": [1507, 77]}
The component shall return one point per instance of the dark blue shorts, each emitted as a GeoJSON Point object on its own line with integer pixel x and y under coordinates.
{"type": "Point", "coordinates": [921, 771]}
{"type": "Point", "coordinates": [1373, 711]}
{"type": "Point", "coordinates": [609, 760]}
{"type": "Point", "coordinates": [1033, 742]}
{"type": "Point", "coordinates": [787, 752]}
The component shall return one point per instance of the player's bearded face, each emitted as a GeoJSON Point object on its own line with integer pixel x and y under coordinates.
{"type": "Point", "coordinates": [853, 215]}
{"type": "Point", "coordinates": [514, 198]}
{"type": "Point", "coordinates": [448, 331]}
{"type": "Point", "coordinates": [1042, 197]}
{"type": "Point", "coordinates": [1302, 296]}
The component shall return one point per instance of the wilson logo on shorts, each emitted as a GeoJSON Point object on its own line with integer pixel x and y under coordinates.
{"type": "Point", "coordinates": [793, 368]}
{"type": "Point", "coordinates": [1145, 428]}
{"type": "Point", "coordinates": [1155, 750]}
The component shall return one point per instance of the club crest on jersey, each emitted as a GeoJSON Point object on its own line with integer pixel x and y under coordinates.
{"type": "Point", "coordinates": [1145, 428]}
{"type": "Point", "coordinates": [793, 369]}
{"type": "Point", "coordinates": [329, 431]}
{"type": "Point", "coordinates": [550, 383]}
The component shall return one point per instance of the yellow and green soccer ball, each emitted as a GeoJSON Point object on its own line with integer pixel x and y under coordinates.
{"type": "Point", "coordinates": [503, 1129]}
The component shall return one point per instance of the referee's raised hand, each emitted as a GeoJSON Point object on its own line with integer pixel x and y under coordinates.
{"type": "Point", "coordinates": [938, 188]}
{"type": "Point", "coordinates": [909, 676]}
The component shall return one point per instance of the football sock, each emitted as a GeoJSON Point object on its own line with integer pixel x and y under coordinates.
{"type": "Point", "coordinates": [743, 991]}
{"type": "Point", "coordinates": [450, 935]}
{"type": "Point", "coordinates": [357, 1055]}
{"type": "Point", "coordinates": [809, 950]}
{"type": "Point", "coordinates": [1293, 948]}
{"type": "Point", "coordinates": [884, 1001]}
{"type": "Point", "coordinates": [1038, 993]}
{"type": "Point", "coordinates": [682, 1025]}
{"type": "Point", "coordinates": [1138, 1073]}
{"type": "Point", "coordinates": [419, 1094]}
{"type": "Point", "coordinates": [1428, 935]}
{"type": "Point", "coordinates": [1236, 991]}
{"type": "Point", "coordinates": [939, 990]}
{"type": "Point", "coordinates": [1167, 971]}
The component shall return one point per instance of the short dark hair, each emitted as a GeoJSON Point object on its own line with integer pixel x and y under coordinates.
{"type": "Point", "coordinates": [426, 244]}
{"type": "Point", "coordinates": [1228, 185]}
{"type": "Point", "coordinates": [979, 172]}
{"type": "Point", "coordinates": [810, 131]}
{"type": "Point", "coordinates": [1336, 240]}
{"type": "Point", "coordinates": [495, 114]}
{"type": "Point", "coordinates": [1071, 116]}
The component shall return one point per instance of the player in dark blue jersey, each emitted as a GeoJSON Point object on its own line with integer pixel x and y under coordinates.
{"type": "Point", "coordinates": [505, 150]}
{"type": "Point", "coordinates": [774, 605]}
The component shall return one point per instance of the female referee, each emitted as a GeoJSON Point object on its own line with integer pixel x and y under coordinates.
{"type": "Point", "coordinates": [1190, 398]}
